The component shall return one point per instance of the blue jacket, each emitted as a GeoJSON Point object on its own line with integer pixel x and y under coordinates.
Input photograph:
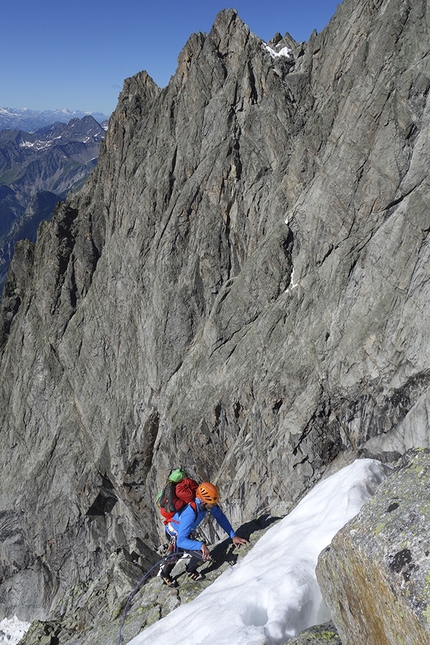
{"type": "Point", "coordinates": [186, 521]}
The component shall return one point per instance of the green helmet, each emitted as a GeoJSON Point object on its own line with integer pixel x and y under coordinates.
{"type": "Point", "coordinates": [177, 475]}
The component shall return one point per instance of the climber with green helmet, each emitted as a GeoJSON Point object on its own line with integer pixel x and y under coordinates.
{"type": "Point", "coordinates": [184, 522]}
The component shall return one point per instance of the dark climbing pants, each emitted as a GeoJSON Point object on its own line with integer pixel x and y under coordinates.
{"type": "Point", "coordinates": [195, 561]}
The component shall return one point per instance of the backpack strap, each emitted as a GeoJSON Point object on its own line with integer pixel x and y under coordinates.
{"type": "Point", "coordinates": [194, 506]}
{"type": "Point", "coordinates": [166, 498]}
{"type": "Point", "coordinates": [171, 529]}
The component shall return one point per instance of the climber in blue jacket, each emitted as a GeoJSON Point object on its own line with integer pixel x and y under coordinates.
{"type": "Point", "coordinates": [180, 532]}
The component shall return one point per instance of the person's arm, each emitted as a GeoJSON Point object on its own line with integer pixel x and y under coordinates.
{"type": "Point", "coordinates": [225, 524]}
{"type": "Point", "coordinates": [223, 521]}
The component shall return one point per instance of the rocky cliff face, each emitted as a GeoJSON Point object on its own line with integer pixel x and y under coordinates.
{"type": "Point", "coordinates": [375, 574]}
{"type": "Point", "coordinates": [240, 287]}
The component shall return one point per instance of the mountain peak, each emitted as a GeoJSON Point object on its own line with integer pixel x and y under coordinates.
{"type": "Point", "coordinates": [173, 316]}
{"type": "Point", "coordinates": [29, 120]}
{"type": "Point", "coordinates": [227, 19]}
{"type": "Point", "coordinates": [229, 31]}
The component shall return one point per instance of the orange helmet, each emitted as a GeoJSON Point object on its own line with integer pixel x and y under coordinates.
{"type": "Point", "coordinates": [208, 493]}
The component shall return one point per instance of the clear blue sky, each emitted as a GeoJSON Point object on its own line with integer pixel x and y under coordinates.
{"type": "Point", "coordinates": [76, 55]}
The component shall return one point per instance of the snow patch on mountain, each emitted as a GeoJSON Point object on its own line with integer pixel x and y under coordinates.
{"type": "Point", "coordinates": [285, 51]}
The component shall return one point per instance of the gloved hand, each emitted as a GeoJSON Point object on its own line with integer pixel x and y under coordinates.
{"type": "Point", "coordinates": [205, 552]}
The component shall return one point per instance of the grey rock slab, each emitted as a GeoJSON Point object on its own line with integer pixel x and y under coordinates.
{"type": "Point", "coordinates": [374, 576]}
{"type": "Point", "coordinates": [240, 287]}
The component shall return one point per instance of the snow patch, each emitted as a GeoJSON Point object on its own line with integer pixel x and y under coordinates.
{"type": "Point", "coordinates": [285, 51]}
{"type": "Point", "coordinates": [37, 145]}
{"type": "Point", "coordinates": [292, 284]}
{"type": "Point", "coordinates": [12, 630]}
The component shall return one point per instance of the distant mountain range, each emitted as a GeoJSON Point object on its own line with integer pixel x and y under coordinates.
{"type": "Point", "coordinates": [38, 169]}
{"type": "Point", "coordinates": [29, 120]}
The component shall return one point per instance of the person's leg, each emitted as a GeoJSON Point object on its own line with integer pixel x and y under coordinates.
{"type": "Point", "coordinates": [168, 565]}
{"type": "Point", "coordinates": [195, 561]}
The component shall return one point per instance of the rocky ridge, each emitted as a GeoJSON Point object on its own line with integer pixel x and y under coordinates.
{"type": "Point", "coordinates": [37, 170]}
{"type": "Point", "coordinates": [241, 287]}
{"type": "Point", "coordinates": [29, 120]}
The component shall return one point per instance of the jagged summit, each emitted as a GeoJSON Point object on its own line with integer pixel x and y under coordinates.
{"type": "Point", "coordinates": [241, 287]}
{"type": "Point", "coordinates": [227, 25]}
{"type": "Point", "coordinates": [284, 45]}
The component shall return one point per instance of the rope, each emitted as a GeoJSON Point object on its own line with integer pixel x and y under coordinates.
{"type": "Point", "coordinates": [175, 554]}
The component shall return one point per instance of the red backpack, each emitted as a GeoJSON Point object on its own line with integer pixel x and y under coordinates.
{"type": "Point", "coordinates": [175, 497]}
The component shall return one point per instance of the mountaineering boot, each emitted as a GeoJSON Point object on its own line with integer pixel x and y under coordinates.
{"type": "Point", "coordinates": [169, 581]}
{"type": "Point", "coordinates": [196, 576]}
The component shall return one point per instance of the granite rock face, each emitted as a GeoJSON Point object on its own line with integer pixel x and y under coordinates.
{"type": "Point", "coordinates": [375, 575]}
{"type": "Point", "coordinates": [240, 288]}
